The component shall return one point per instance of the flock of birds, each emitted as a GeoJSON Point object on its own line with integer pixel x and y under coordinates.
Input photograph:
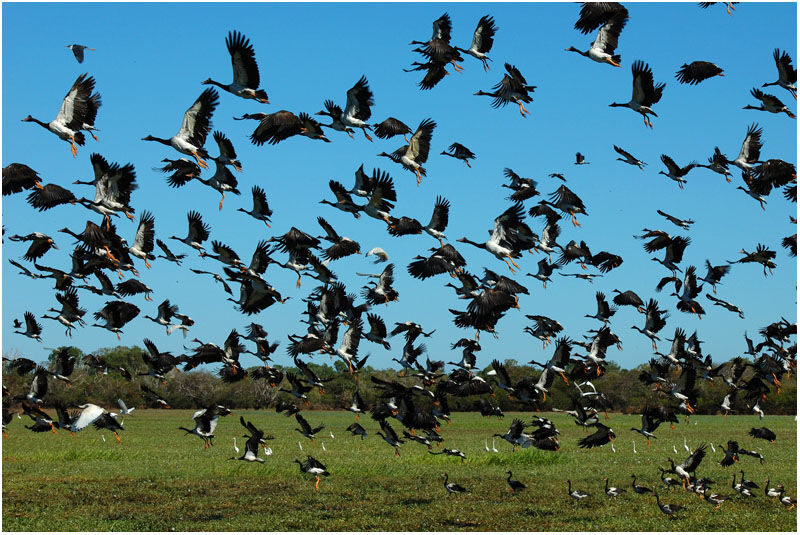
{"type": "Point", "coordinates": [421, 403]}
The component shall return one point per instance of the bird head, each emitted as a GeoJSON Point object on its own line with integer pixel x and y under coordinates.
{"type": "Point", "coordinates": [28, 119]}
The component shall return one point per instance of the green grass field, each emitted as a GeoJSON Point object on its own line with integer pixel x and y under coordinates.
{"type": "Point", "coordinates": [157, 479]}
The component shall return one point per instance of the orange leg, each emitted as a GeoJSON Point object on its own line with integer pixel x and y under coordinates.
{"type": "Point", "coordinates": [200, 161]}
{"type": "Point", "coordinates": [222, 199]}
{"type": "Point", "coordinates": [73, 148]}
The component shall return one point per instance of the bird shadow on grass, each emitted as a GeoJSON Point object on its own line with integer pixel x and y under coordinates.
{"type": "Point", "coordinates": [417, 501]}
{"type": "Point", "coordinates": [461, 523]}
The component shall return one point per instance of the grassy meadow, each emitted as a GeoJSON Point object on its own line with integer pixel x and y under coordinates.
{"type": "Point", "coordinates": [158, 479]}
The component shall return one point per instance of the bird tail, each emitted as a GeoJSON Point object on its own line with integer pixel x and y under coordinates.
{"type": "Point", "coordinates": [80, 139]}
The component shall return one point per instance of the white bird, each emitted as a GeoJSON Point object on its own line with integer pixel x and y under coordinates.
{"type": "Point", "coordinates": [267, 451]}
{"type": "Point", "coordinates": [486, 445]}
{"type": "Point", "coordinates": [612, 448]}
{"type": "Point", "coordinates": [235, 447]}
{"type": "Point", "coordinates": [123, 409]}
{"type": "Point", "coordinates": [331, 433]}
{"type": "Point", "coordinates": [103, 437]}
{"type": "Point", "coordinates": [493, 448]}
{"type": "Point", "coordinates": [634, 446]}
{"type": "Point", "coordinates": [299, 445]}
{"type": "Point", "coordinates": [323, 446]}
{"type": "Point", "coordinates": [674, 449]}
{"type": "Point", "coordinates": [713, 449]}
{"type": "Point", "coordinates": [380, 255]}
{"type": "Point", "coordinates": [686, 446]}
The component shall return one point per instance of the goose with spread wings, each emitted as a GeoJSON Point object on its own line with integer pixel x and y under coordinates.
{"type": "Point", "coordinates": [611, 18]}
{"type": "Point", "coordinates": [512, 88]}
{"type": "Point", "coordinates": [413, 155]}
{"type": "Point", "coordinates": [194, 129]}
{"type": "Point", "coordinates": [78, 110]}
{"type": "Point", "coordinates": [356, 112]}
{"type": "Point", "coordinates": [787, 74]}
{"type": "Point", "coordinates": [245, 69]}
{"type": "Point", "coordinates": [645, 92]}
{"type": "Point", "coordinates": [482, 41]}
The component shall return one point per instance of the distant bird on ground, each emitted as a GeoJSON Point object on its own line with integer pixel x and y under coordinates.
{"type": "Point", "coordinates": [514, 484]}
{"type": "Point", "coordinates": [613, 492]}
{"type": "Point", "coordinates": [452, 488]}
{"type": "Point", "coordinates": [313, 467]}
{"type": "Point", "coordinates": [245, 69]}
{"type": "Point", "coordinates": [255, 439]}
{"type": "Point", "coordinates": [460, 152]}
{"type": "Point", "coordinates": [668, 509]}
{"type": "Point", "coordinates": [512, 88]}
{"type": "Point", "coordinates": [194, 129]}
{"type": "Point", "coordinates": [763, 433]}
{"type": "Point", "coordinates": [645, 93]}
{"type": "Point", "coordinates": [206, 422]}
{"type": "Point", "coordinates": [697, 71]}
{"type": "Point", "coordinates": [639, 489]}
{"type": "Point", "coordinates": [576, 494]}
{"type": "Point", "coordinates": [77, 50]}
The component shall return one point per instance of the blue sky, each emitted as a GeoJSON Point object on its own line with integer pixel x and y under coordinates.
{"type": "Point", "coordinates": [151, 58]}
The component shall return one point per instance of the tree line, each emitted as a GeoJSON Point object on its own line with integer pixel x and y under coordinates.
{"type": "Point", "coordinates": [621, 386]}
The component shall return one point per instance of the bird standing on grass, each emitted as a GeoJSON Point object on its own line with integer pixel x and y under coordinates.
{"type": "Point", "coordinates": [452, 488]}
{"type": "Point", "coordinates": [313, 467]}
{"type": "Point", "coordinates": [514, 484]}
